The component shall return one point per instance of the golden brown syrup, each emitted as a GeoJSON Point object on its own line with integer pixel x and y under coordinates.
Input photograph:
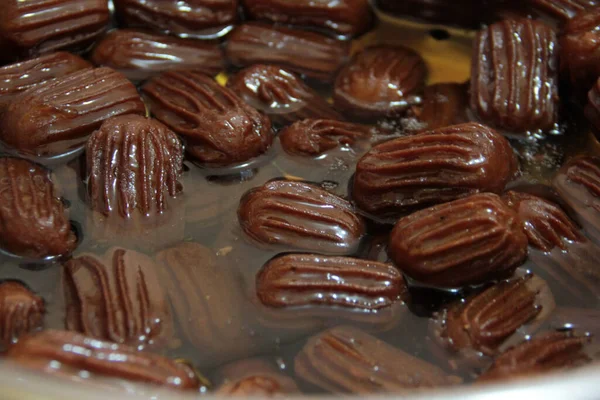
{"type": "Point", "coordinates": [206, 214]}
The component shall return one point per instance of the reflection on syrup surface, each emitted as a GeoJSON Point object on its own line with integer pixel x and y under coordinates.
{"type": "Point", "coordinates": [207, 214]}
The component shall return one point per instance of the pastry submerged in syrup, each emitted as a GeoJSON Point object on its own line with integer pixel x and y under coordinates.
{"type": "Point", "coordinates": [74, 356]}
{"type": "Point", "coordinates": [139, 55]}
{"type": "Point", "coordinates": [413, 172]}
{"type": "Point", "coordinates": [33, 220]}
{"type": "Point", "coordinates": [58, 116]}
{"type": "Point", "coordinates": [579, 45]}
{"type": "Point", "coordinates": [300, 216]}
{"type": "Point", "coordinates": [21, 311]}
{"type": "Point", "coordinates": [297, 280]}
{"type": "Point", "coordinates": [344, 18]}
{"type": "Point", "coordinates": [379, 82]}
{"type": "Point", "coordinates": [33, 27]}
{"type": "Point", "coordinates": [219, 127]}
{"type": "Point", "coordinates": [134, 165]}
{"type": "Point", "coordinates": [545, 353]}
{"type": "Point", "coordinates": [578, 183]}
{"type": "Point", "coordinates": [483, 322]}
{"type": "Point", "coordinates": [469, 241]}
{"type": "Point", "coordinates": [20, 76]}
{"type": "Point", "coordinates": [347, 360]}
{"type": "Point", "coordinates": [307, 53]}
{"type": "Point", "coordinates": [314, 137]}
{"type": "Point", "coordinates": [514, 78]}
{"type": "Point", "coordinates": [184, 18]}
{"type": "Point", "coordinates": [117, 298]}
{"type": "Point", "coordinates": [279, 93]}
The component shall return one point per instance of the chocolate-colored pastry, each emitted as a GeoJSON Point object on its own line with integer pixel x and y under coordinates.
{"type": "Point", "coordinates": [514, 78]}
{"type": "Point", "coordinates": [140, 55]}
{"type": "Point", "coordinates": [485, 321]}
{"type": "Point", "coordinates": [437, 166]}
{"type": "Point", "coordinates": [185, 18]}
{"type": "Point", "coordinates": [280, 94]}
{"type": "Point", "coordinates": [133, 163]}
{"type": "Point", "coordinates": [549, 352]}
{"type": "Point", "coordinates": [21, 311]}
{"type": "Point", "coordinates": [444, 104]}
{"type": "Point", "coordinates": [579, 50]}
{"type": "Point", "coordinates": [33, 220]}
{"type": "Point", "coordinates": [301, 216]}
{"type": "Point", "coordinates": [32, 27]}
{"type": "Point", "coordinates": [206, 296]}
{"type": "Point", "coordinates": [219, 127]}
{"type": "Point", "coordinates": [58, 115]}
{"type": "Point", "coordinates": [313, 137]}
{"type": "Point", "coordinates": [345, 17]}
{"type": "Point", "coordinates": [67, 354]}
{"type": "Point", "coordinates": [118, 298]}
{"type": "Point", "coordinates": [463, 13]}
{"type": "Point", "coordinates": [299, 280]}
{"type": "Point", "coordinates": [562, 10]}
{"type": "Point", "coordinates": [546, 224]}
{"type": "Point", "coordinates": [557, 245]}
{"type": "Point", "coordinates": [18, 77]}
{"type": "Point", "coordinates": [347, 360]}
{"type": "Point", "coordinates": [254, 378]}
{"type": "Point", "coordinates": [308, 53]}
{"type": "Point", "coordinates": [379, 82]}
{"type": "Point", "coordinates": [465, 242]}
{"type": "Point", "coordinates": [578, 183]}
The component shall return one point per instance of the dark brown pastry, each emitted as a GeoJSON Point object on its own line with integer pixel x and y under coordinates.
{"type": "Point", "coordinates": [580, 43]}
{"type": "Point", "coordinates": [33, 221]}
{"type": "Point", "coordinates": [313, 137]}
{"type": "Point", "coordinates": [578, 183]}
{"type": "Point", "coordinates": [562, 10]}
{"type": "Point", "coordinates": [345, 18]}
{"type": "Point", "coordinates": [299, 280]}
{"type": "Point", "coordinates": [67, 354]}
{"type": "Point", "coordinates": [308, 53]}
{"type": "Point", "coordinates": [118, 298]}
{"type": "Point", "coordinates": [546, 224]}
{"type": "Point", "coordinates": [133, 163]}
{"type": "Point", "coordinates": [140, 55]}
{"type": "Point", "coordinates": [444, 104]}
{"type": "Point", "coordinates": [301, 216]}
{"type": "Point", "coordinates": [18, 77]}
{"type": "Point", "coordinates": [483, 322]}
{"type": "Point", "coordinates": [437, 166]}
{"type": "Point", "coordinates": [464, 13]}
{"type": "Point", "coordinates": [32, 27]}
{"type": "Point", "coordinates": [254, 378]}
{"type": "Point", "coordinates": [21, 311]}
{"type": "Point", "coordinates": [206, 296]}
{"type": "Point", "coordinates": [185, 18]}
{"type": "Point", "coordinates": [514, 78]}
{"type": "Point", "coordinates": [60, 114]}
{"type": "Point", "coordinates": [549, 352]}
{"type": "Point", "coordinates": [379, 82]}
{"type": "Point", "coordinates": [465, 242]}
{"type": "Point", "coordinates": [219, 127]}
{"type": "Point", "coordinates": [558, 245]}
{"type": "Point", "coordinates": [347, 360]}
{"type": "Point", "coordinates": [280, 94]}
